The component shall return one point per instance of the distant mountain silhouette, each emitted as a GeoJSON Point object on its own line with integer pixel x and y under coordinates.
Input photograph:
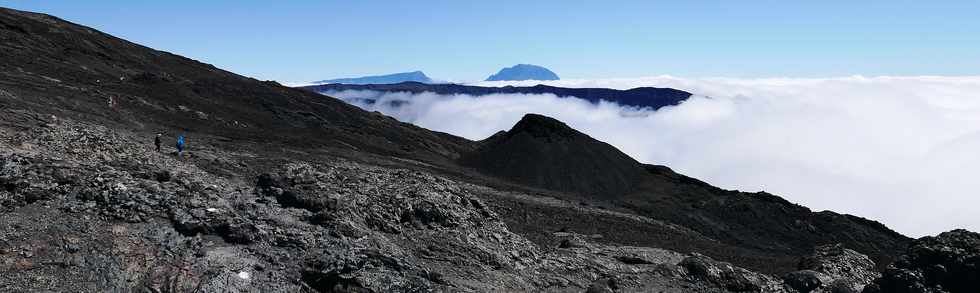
{"type": "Point", "coordinates": [523, 72]}
{"type": "Point", "coordinates": [638, 97]}
{"type": "Point", "coordinates": [416, 76]}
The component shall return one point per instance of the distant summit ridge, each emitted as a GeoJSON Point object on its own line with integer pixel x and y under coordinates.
{"type": "Point", "coordinates": [646, 97]}
{"type": "Point", "coordinates": [524, 72]}
{"type": "Point", "coordinates": [416, 76]}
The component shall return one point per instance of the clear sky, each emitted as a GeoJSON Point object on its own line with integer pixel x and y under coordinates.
{"type": "Point", "coordinates": [468, 40]}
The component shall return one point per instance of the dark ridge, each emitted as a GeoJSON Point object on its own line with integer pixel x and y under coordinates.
{"type": "Point", "coordinates": [644, 97]}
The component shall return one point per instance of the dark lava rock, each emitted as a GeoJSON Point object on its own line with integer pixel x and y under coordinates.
{"type": "Point", "coordinates": [725, 275]}
{"type": "Point", "coordinates": [239, 232]}
{"type": "Point", "coordinates": [804, 281]}
{"type": "Point", "coordinates": [350, 271]}
{"type": "Point", "coordinates": [832, 268]}
{"type": "Point", "coordinates": [604, 285]}
{"type": "Point", "coordinates": [162, 176]}
{"type": "Point", "coordinates": [290, 192]}
{"type": "Point", "coordinates": [267, 180]}
{"type": "Point", "coordinates": [573, 242]}
{"type": "Point", "coordinates": [840, 263]}
{"type": "Point", "coordinates": [543, 152]}
{"type": "Point", "coordinates": [427, 213]}
{"type": "Point", "coordinates": [334, 274]}
{"type": "Point", "coordinates": [299, 199]}
{"type": "Point", "coordinates": [189, 224]}
{"type": "Point", "coordinates": [842, 286]}
{"type": "Point", "coordinates": [949, 262]}
{"type": "Point", "coordinates": [633, 260]}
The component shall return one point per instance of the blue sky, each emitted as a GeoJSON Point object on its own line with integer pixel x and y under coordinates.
{"type": "Point", "coordinates": [469, 40]}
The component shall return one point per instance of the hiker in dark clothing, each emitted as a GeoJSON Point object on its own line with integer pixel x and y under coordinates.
{"type": "Point", "coordinates": [157, 141]}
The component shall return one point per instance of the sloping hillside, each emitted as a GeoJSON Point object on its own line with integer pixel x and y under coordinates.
{"type": "Point", "coordinates": [61, 68]}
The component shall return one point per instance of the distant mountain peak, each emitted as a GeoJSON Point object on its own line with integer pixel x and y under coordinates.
{"type": "Point", "coordinates": [523, 72]}
{"type": "Point", "coordinates": [413, 76]}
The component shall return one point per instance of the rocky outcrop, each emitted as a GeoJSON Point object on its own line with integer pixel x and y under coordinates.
{"type": "Point", "coordinates": [727, 276]}
{"type": "Point", "coordinates": [832, 268]}
{"type": "Point", "coordinates": [949, 262]}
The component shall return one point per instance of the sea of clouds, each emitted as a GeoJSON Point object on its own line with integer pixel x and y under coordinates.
{"type": "Point", "coordinates": [901, 150]}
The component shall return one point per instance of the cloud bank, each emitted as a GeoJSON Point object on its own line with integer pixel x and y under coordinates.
{"type": "Point", "coordinates": [901, 150]}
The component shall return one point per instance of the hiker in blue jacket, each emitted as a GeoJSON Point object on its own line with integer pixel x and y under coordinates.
{"type": "Point", "coordinates": [180, 145]}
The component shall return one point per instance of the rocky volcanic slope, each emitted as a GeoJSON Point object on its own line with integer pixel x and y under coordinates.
{"type": "Point", "coordinates": [284, 190]}
{"type": "Point", "coordinates": [645, 97]}
{"type": "Point", "coordinates": [763, 231]}
{"type": "Point", "coordinates": [60, 68]}
{"type": "Point", "coordinates": [90, 209]}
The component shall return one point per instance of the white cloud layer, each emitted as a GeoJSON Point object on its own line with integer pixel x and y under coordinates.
{"type": "Point", "coordinates": [901, 150]}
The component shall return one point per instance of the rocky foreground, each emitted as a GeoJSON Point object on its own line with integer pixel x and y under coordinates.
{"type": "Point", "coordinates": [90, 209]}
{"type": "Point", "coordinates": [86, 208]}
